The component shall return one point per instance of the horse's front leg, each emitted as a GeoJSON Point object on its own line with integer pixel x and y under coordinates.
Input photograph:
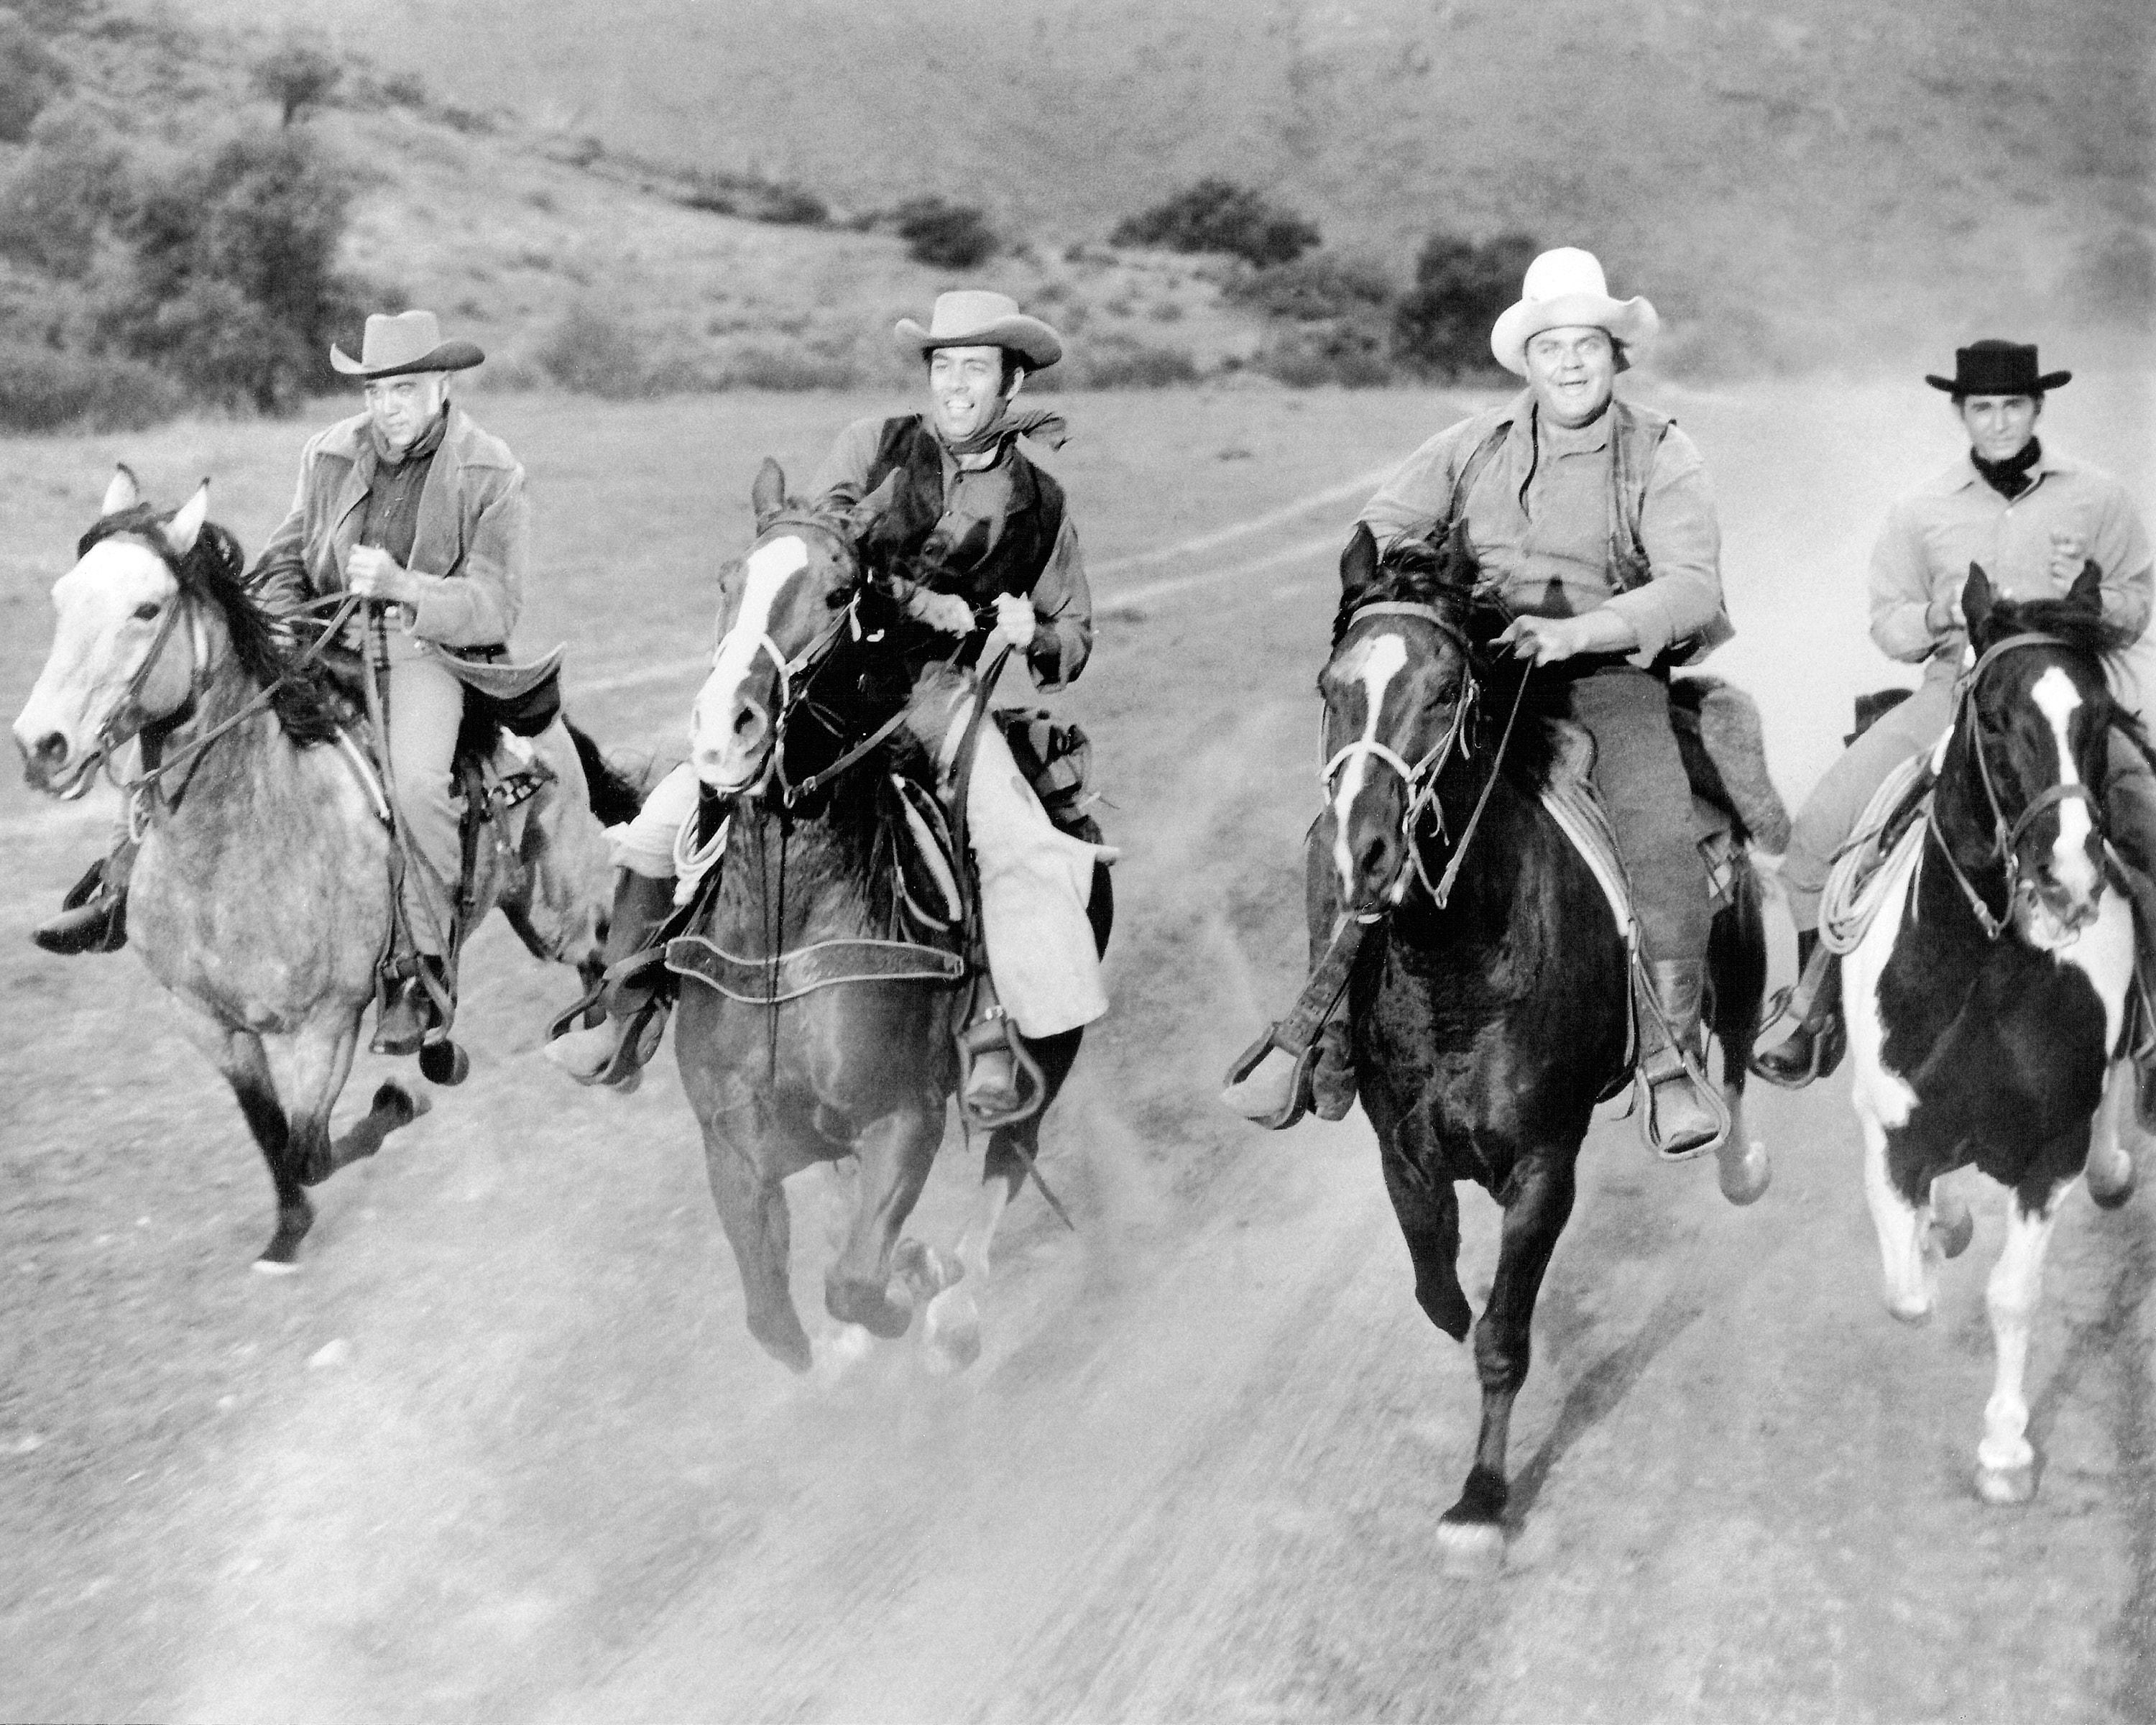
{"type": "Point", "coordinates": [317, 1061]}
{"type": "Point", "coordinates": [894, 1153]}
{"type": "Point", "coordinates": [2005, 1465]}
{"type": "Point", "coordinates": [239, 1056]}
{"type": "Point", "coordinates": [1472, 1535]}
{"type": "Point", "coordinates": [1905, 1254]}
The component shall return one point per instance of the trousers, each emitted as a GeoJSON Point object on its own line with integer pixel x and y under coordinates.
{"type": "Point", "coordinates": [1640, 778]}
{"type": "Point", "coordinates": [1036, 885]}
{"type": "Point", "coordinates": [426, 703]}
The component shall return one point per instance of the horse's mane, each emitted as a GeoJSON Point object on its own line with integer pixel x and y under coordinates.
{"type": "Point", "coordinates": [2081, 629]}
{"type": "Point", "coordinates": [306, 702]}
{"type": "Point", "coordinates": [1440, 574]}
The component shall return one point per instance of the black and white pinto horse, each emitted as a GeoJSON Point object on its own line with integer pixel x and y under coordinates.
{"type": "Point", "coordinates": [1987, 999]}
{"type": "Point", "coordinates": [1490, 998]}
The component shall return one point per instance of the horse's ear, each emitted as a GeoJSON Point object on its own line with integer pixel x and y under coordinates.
{"type": "Point", "coordinates": [1458, 564]}
{"type": "Point", "coordinates": [2087, 590]}
{"type": "Point", "coordinates": [864, 516]}
{"type": "Point", "coordinates": [767, 494]}
{"type": "Point", "coordinates": [1976, 600]}
{"type": "Point", "coordinates": [1359, 562]}
{"type": "Point", "coordinates": [186, 525]}
{"type": "Point", "coordinates": [125, 492]}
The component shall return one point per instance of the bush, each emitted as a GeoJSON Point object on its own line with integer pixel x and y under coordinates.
{"type": "Point", "coordinates": [946, 236]}
{"type": "Point", "coordinates": [1315, 289]}
{"type": "Point", "coordinates": [405, 89]}
{"type": "Point", "coordinates": [1217, 215]}
{"type": "Point", "coordinates": [755, 200]}
{"type": "Point", "coordinates": [1349, 352]}
{"type": "Point", "coordinates": [1441, 325]}
{"type": "Point", "coordinates": [30, 77]}
{"type": "Point", "coordinates": [234, 285]}
{"type": "Point", "coordinates": [45, 388]}
{"type": "Point", "coordinates": [785, 365]}
{"type": "Point", "coordinates": [297, 77]}
{"type": "Point", "coordinates": [65, 192]}
{"type": "Point", "coordinates": [1119, 362]}
{"type": "Point", "coordinates": [594, 352]}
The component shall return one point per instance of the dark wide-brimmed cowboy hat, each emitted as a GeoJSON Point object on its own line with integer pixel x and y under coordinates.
{"type": "Point", "coordinates": [1565, 289]}
{"type": "Point", "coordinates": [409, 342]}
{"type": "Point", "coordinates": [1993, 368]}
{"type": "Point", "coordinates": [971, 317]}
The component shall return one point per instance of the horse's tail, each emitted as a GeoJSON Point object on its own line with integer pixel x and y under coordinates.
{"type": "Point", "coordinates": [615, 796]}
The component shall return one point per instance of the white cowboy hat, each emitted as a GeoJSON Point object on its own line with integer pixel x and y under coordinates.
{"type": "Point", "coordinates": [971, 317]}
{"type": "Point", "coordinates": [410, 342]}
{"type": "Point", "coordinates": [1565, 289]}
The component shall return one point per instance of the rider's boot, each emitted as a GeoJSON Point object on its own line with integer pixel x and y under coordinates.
{"type": "Point", "coordinates": [1267, 1093]}
{"type": "Point", "coordinates": [993, 1087]}
{"type": "Point", "coordinates": [615, 1050]}
{"type": "Point", "coordinates": [94, 915]}
{"type": "Point", "coordinates": [1681, 1117]}
{"type": "Point", "coordinates": [1814, 1047]}
{"type": "Point", "coordinates": [409, 1005]}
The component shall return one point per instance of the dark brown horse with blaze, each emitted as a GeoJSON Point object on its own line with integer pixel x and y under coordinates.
{"type": "Point", "coordinates": [814, 1031]}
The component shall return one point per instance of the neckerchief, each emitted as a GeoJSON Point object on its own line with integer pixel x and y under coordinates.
{"type": "Point", "coordinates": [1042, 424]}
{"type": "Point", "coordinates": [425, 444]}
{"type": "Point", "coordinates": [2010, 478]}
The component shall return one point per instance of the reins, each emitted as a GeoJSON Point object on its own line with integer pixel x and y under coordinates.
{"type": "Point", "coordinates": [1421, 778]}
{"type": "Point", "coordinates": [2006, 836]}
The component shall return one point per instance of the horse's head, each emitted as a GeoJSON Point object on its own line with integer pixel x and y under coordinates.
{"type": "Point", "coordinates": [783, 607]}
{"type": "Point", "coordinates": [2033, 748]}
{"type": "Point", "coordinates": [1397, 692]}
{"type": "Point", "coordinates": [119, 660]}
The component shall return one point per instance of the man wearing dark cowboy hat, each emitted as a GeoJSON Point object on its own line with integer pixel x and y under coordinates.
{"type": "Point", "coordinates": [1019, 563]}
{"type": "Point", "coordinates": [408, 502]}
{"type": "Point", "coordinates": [2033, 518]}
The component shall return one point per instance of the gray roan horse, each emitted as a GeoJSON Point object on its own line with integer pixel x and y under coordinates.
{"type": "Point", "coordinates": [810, 664]}
{"type": "Point", "coordinates": [260, 898]}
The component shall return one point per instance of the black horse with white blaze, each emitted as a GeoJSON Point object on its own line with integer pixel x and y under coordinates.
{"type": "Point", "coordinates": [1490, 997]}
{"type": "Point", "coordinates": [1987, 997]}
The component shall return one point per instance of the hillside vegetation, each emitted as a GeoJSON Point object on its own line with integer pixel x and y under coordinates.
{"type": "Point", "coordinates": [1793, 181]}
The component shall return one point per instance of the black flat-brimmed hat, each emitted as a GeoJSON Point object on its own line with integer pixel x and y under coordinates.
{"type": "Point", "coordinates": [410, 342]}
{"type": "Point", "coordinates": [1992, 368]}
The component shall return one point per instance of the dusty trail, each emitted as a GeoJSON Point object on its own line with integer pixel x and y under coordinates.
{"type": "Point", "coordinates": [504, 1449]}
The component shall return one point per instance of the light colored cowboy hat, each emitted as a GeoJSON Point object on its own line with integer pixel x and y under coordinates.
{"type": "Point", "coordinates": [409, 342]}
{"type": "Point", "coordinates": [971, 317]}
{"type": "Point", "coordinates": [1565, 289]}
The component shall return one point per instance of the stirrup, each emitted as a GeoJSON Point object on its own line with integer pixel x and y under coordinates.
{"type": "Point", "coordinates": [1299, 1097]}
{"type": "Point", "coordinates": [978, 1038]}
{"type": "Point", "coordinates": [633, 1048]}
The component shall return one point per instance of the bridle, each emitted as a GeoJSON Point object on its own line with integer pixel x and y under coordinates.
{"type": "Point", "coordinates": [1420, 779]}
{"type": "Point", "coordinates": [2005, 835]}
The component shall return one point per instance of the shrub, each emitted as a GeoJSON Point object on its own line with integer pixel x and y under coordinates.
{"type": "Point", "coordinates": [45, 388]}
{"type": "Point", "coordinates": [785, 365]}
{"type": "Point", "coordinates": [594, 352]}
{"type": "Point", "coordinates": [1441, 325]}
{"type": "Point", "coordinates": [1119, 362]}
{"type": "Point", "coordinates": [405, 89]}
{"type": "Point", "coordinates": [30, 77]}
{"type": "Point", "coordinates": [1217, 215]}
{"type": "Point", "coordinates": [1349, 352]}
{"type": "Point", "coordinates": [1315, 289]}
{"type": "Point", "coordinates": [234, 285]}
{"type": "Point", "coordinates": [754, 199]}
{"type": "Point", "coordinates": [297, 77]}
{"type": "Point", "coordinates": [946, 236]}
{"type": "Point", "coordinates": [65, 191]}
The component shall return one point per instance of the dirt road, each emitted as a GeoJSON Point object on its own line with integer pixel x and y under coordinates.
{"type": "Point", "coordinates": [505, 1450]}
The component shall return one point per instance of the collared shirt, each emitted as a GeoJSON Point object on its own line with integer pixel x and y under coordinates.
{"type": "Point", "coordinates": [1062, 599]}
{"type": "Point", "coordinates": [1955, 519]}
{"type": "Point", "coordinates": [1540, 521]}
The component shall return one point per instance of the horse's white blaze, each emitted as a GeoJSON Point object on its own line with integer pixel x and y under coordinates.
{"type": "Point", "coordinates": [2057, 699]}
{"type": "Point", "coordinates": [765, 574]}
{"type": "Point", "coordinates": [97, 641]}
{"type": "Point", "coordinates": [1373, 661]}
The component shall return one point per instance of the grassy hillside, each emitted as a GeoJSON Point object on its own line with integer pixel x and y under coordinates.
{"type": "Point", "coordinates": [1801, 181]}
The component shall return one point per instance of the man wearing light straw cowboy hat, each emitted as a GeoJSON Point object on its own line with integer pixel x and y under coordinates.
{"type": "Point", "coordinates": [1592, 519]}
{"type": "Point", "coordinates": [411, 503]}
{"type": "Point", "coordinates": [1015, 584]}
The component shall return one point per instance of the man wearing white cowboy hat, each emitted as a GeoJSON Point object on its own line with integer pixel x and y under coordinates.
{"type": "Point", "coordinates": [1592, 519]}
{"type": "Point", "coordinates": [411, 503]}
{"type": "Point", "coordinates": [2034, 518]}
{"type": "Point", "coordinates": [1017, 561]}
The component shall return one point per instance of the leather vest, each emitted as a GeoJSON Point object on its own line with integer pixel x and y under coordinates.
{"type": "Point", "coordinates": [1033, 519]}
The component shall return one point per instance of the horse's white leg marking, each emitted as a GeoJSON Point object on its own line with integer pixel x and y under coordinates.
{"type": "Point", "coordinates": [2056, 698]}
{"type": "Point", "coordinates": [2016, 1284]}
{"type": "Point", "coordinates": [1374, 662]}
{"type": "Point", "coordinates": [765, 574]}
{"type": "Point", "coordinates": [953, 1325]}
{"type": "Point", "coordinates": [1884, 1101]}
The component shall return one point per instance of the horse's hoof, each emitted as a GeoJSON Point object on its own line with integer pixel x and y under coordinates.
{"type": "Point", "coordinates": [2111, 1180]}
{"type": "Point", "coordinates": [1914, 1311]}
{"type": "Point", "coordinates": [267, 1265]}
{"type": "Point", "coordinates": [2004, 1486]}
{"type": "Point", "coordinates": [445, 1063]}
{"type": "Point", "coordinates": [845, 1348]}
{"type": "Point", "coordinates": [952, 1331]}
{"type": "Point", "coordinates": [1952, 1227]}
{"type": "Point", "coordinates": [1746, 1173]}
{"type": "Point", "coordinates": [393, 1098]}
{"type": "Point", "coordinates": [1470, 1551]}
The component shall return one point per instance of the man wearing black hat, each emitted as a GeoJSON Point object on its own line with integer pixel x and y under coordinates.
{"type": "Point", "coordinates": [2033, 518]}
{"type": "Point", "coordinates": [408, 502]}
